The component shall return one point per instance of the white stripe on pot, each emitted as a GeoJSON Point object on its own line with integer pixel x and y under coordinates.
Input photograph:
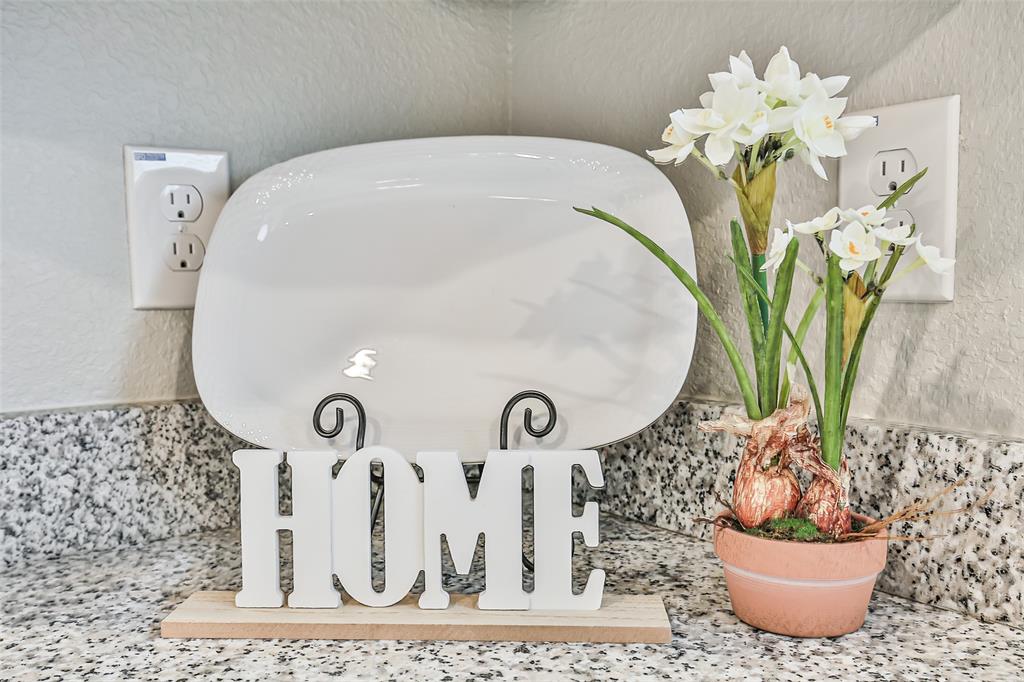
{"type": "Point", "coordinates": [809, 582]}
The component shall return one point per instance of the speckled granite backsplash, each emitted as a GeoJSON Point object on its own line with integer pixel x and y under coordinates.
{"type": "Point", "coordinates": [74, 481]}
{"type": "Point", "coordinates": [666, 476]}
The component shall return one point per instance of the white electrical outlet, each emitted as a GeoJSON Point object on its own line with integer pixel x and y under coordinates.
{"type": "Point", "coordinates": [910, 137]}
{"type": "Point", "coordinates": [181, 203]}
{"type": "Point", "coordinates": [184, 252]}
{"type": "Point", "coordinates": [173, 198]}
{"type": "Point", "coordinates": [890, 169]}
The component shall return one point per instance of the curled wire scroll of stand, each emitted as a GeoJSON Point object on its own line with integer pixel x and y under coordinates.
{"type": "Point", "coordinates": [339, 424]}
{"type": "Point", "coordinates": [378, 479]}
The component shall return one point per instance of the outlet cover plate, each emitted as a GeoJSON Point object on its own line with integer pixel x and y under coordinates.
{"type": "Point", "coordinates": [147, 172]}
{"type": "Point", "coordinates": [930, 129]}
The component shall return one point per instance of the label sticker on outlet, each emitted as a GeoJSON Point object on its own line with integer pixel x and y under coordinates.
{"type": "Point", "coordinates": [173, 198]}
{"type": "Point", "coordinates": [909, 138]}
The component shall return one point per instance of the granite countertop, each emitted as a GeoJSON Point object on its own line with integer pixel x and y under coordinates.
{"type": "Point", "coordinates": [97, 615]}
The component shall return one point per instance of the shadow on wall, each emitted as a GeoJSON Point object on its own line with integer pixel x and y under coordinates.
{"type": "Point", "coordinates": [265, 81]}
{"type": "Point", "coordinates": [171, 331]}
{"type": "Point", "coordinates": [623, 66]}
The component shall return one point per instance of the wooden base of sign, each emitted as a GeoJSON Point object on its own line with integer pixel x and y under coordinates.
{"type": "Point", "coordinates": [621, 619]}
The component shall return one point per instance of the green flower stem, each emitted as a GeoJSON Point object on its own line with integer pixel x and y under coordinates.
{"type": "Point", "coordinates": [705, 305]}
{"type": "Point", "coordinates": [869, 271]}
{"type": "Point", "coordinates": [752, 311]}
{"type": "Point", "coordinates": [773, 339]}
{"type": "Point", "coordinates": [756, 263]}
{"type": "Point", "coordinates": [890, 266]}
{"type": "Point", "coordinates": [815, 277]}
{"type": "Point", "coordinates": [831, 434]}
{"type": "Point", "coordinates": [755, 167]}
{"type": "Point", "coordinates": [853, 364]}
{"type": "Point", "coordinates": [906, 271]}
{"type": "Point", "coordinates": [715, 170]}
{"type": "Point", "coordinates": [795, 345]}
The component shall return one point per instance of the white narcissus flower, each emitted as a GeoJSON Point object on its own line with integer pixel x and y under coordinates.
{"type": "Point", "coordinates": [895, 235]}
{"type": "Point", "coordinates": [850, 127]}
{"type": "Point", "coordinates": [932, 258]}
{"type": "Point", "coordinates": [742, 109]}
{"type": "Point", "coordinates": [782, 77]}
{"type": "Point", "coordinates": [777, 251]}
{"type": "Point", "coordinates": [735, 115]}
{"type": "Point", "coordinates": [740, 73]}
{"type": "Point", "coordinates": [811, 85]}
{"type": "Point", "coordinates": [780, 119]}
{"type": "Point", "coordinates": [815, 126]}
{"type": "Point", "coordinates": [756, 126]}
{"type": "Point", "coordinates": [819, 224]}
{"type": "Point", "coordinates": [854, 245]}
{"type": "Point", "coordinates": [680, 143]}
{"type": "Point", "coordinates": [868, 215]}
{"type": "Point", "coordinates": [813, 161]}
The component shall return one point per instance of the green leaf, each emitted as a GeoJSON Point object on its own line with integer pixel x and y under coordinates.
{"type": "Point", "coordinates": [894, 259]}
{"type": "Point", "coordinates": [891, 200]}
{"type": "Point", "coordinates": [703, 303]}
{"type": "Point", "coordinates": [799, 354]}
{"type": "Point", "coordinates": [773, 342]}
{"type": "Point", "coordinates": [831, 436]}
{"type": "Point", "coordinates": [751, 309]}
{"type": "Point", "coordinates": [850, 377]}
{"type": "Point", "coordinates": [853, 364]}
{"type": "Point", "coordinates": [761, 277]}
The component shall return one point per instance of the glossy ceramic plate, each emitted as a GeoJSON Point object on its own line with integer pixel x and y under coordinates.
{"type": "Point", "coordinates": [434, 279]}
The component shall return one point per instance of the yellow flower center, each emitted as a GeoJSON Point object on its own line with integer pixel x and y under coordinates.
{"type": "Point", "coordinates": [852, 248]}
{"type": "Point", "coordinates": [827, 120]}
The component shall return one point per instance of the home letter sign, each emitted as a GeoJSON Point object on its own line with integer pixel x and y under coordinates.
{"type": "Point", "coordinates": [331, 527]}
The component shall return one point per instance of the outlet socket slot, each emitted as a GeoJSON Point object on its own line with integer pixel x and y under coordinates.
{"type": "Point", "coordinates": [184, 252]}
{"type": "Point", "coordinates": [181, 203]}
{"type": "Point", "coordinates": [890, 169]}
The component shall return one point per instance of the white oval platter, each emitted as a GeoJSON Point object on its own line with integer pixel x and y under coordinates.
{"type": "Point", "coordinates": [435, 278]}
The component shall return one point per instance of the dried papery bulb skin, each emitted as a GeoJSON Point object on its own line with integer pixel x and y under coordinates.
{"type": "Point", "coordinates": [826, 501]}
{"type": "Point", "coordinates": [823, 505]}
{"type": "Point", "coordinates": [766, 487]}
{"type": "Point", "coordinates": [760, 494]}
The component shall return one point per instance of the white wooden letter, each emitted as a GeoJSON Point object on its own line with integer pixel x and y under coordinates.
{"type": "Point", "coordinates": [496, 512]}
{"type": "Point", "coordinates": [554, 525]}
{"type": "Point", "coordinates": [403, 527]}
{"type": "Point", "coordinates": [311, 539]}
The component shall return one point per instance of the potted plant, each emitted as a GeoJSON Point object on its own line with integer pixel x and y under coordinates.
{"type": "Point", "coordinates": [797, 562]}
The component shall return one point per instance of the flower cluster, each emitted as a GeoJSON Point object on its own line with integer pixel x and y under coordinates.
{"type": "Point", "coordinates": [858, 237]}
{"type": "Point", "coordinates": [762, 120]}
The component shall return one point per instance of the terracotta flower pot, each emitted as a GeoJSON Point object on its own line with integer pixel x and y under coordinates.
{"type": "Point", "coordinates": [800, 589]}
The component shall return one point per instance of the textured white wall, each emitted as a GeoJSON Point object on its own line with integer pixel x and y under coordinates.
{"type": "Point", "coordinates": [611, 72]}
{"type": "Point", "coordinates": [271, 81]}
{"type": "Point", "coordinates": [264, 81]}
